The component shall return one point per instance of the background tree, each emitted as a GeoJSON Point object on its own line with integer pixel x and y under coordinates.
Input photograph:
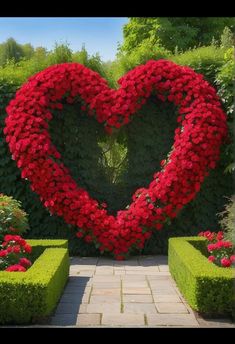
{"type": "Point", "coordinates": [61, 53]}
{"type": "Point", "coordinates": [169, 32]}
{"type": "Point", "coordinates": [28, 50]}
{"type": "Point", "coordinates": [10, 50]}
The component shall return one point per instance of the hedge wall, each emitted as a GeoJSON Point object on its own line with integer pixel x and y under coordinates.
{"type": "Point", "coordinates": [208, 288]}
{"type": "Point", "coordinates": [138, 148]}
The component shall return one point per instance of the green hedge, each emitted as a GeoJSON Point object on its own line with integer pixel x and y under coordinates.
{"type": "Point", "coordinates": [39, 246]}
{"type": "Point", "coordinates": [148, 139]}
{"type": "Point", "coordinates": [32, 295]}
{"type": "Point", "coordinates": [208, 288]}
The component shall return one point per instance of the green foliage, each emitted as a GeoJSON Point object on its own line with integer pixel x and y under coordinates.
{"type": "Point", "coordinates": [10, 50]}
{"type": "Point", "coordinates": [31, 296]}
{"type": "Point", "coordinates": [11, 215]}
{"type": "Point", "coordinates": [225, 85]}
{"type": "Point", "coordinates": [169, 32]}
{"type": "Point", "coordinates": [61, 53]}
{"type": "Point", "coordinates": [227, 38]}
{"type": "Point", "coordinates": [144, 52]}
{"type": "Point", "coordinates": [227, 220]}
{"type": "Point", "coordinates": [204, 60]}
{"type": "Point", "coordinates": [39, 246]}
{"type": "Point", "coordinates": [206, 287]}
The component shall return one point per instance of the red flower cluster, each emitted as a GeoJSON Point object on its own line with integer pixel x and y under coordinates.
{"type": "Point", "coordinates": [14, 247]}
{"type": "Point", "coordinates": [210, 236]}
{"type": "Point", "coordinates": [221, 251]}
{"type": "Point", "coordinates": [202, 129]}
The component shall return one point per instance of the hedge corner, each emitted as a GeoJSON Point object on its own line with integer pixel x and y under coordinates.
{"type": "Point", "coordinates": [209, 289]}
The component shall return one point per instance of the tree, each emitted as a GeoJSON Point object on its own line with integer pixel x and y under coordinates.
{"type": "Point", "coordinates": [227, 38]}
{"type": "Point", "coordinates": [169, 32]}
{"type": "Point", "coordinates": [61, 53]}
{"type": "Point", "coordinates": [28, 50]}
{"type": "Point", "coordinates": [10, 50]}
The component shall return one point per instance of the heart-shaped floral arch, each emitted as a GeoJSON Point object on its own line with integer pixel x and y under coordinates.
{"type": "Point", "coordinates": [196, 149]}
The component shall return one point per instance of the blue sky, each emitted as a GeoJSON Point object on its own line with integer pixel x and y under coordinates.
{"type": "Point", "coordinates": [98, 34]}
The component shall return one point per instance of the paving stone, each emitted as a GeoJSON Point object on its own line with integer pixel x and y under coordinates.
{"type": "Point", "coordinates": [163, 268]}
{"type": "Point", "coordinates": [88, 319]}
{"type": "Point", "coordinates": [166, 291]}
{"type": "Point", "coordinates": [122, 319]}
{"type": "Point", "coordinates": [119, 272]}
{"type": "Point", "coordinates": [139, 308]}
{"type": "Point", "coordinates": [105, 298]}
{"type": "Point", "coordinates": [70, 308]}
{"type": "Point", "coordinates": [109, 308]}
{"type": "Point", "coordinates": [171, 307]}
{"type": "Point", "coordinates": [84, 260]}
{"type": "Point", "coordinates": [104, 272]}
{"type": "Point", "coordinates": [133, 278]}
{"type": "Point", "coordinates": [109, 285]}
{"type": "Point", "coordinates": [104, 278]}
{"type": "Point", "coordinates": [187, 320]}
{"type": "Point", "coordinates": [166, 298]}
{"type": "Point", "coordinates": [160, 273]}
{"type": "Point", "coordinates": [135, 272]}
{"type": "Point", "coordinates": [107, 292]}
{"type": "Point", "coordinates": [134, 268]}
{"type": "Point", "coordinates": [64, 320]}
{"type": "Point", "coordinates": [86, 273]}
{"type": "Point", "coordinates": [75, 298]}
{"type": "Point", "coordinates": [135, 284]}
{"type": "Point", "coordinates": [136, 290]}
{"type": "Point", "coordinates": [137, 298]}
{"type": "Point", "coordinates": [83, 267]}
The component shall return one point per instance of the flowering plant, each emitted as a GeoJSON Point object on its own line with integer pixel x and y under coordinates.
{"type": "Point", "coordinates": [14, 250]}
{"type": "Point", "coordinates": [221, 252]}
{"type": "Point", "coordinates": [201, 131]}
{"type": "Point", "coordinates": [12, 253]}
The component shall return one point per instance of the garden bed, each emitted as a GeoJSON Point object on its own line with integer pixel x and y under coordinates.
{"type": "Point", "coordinates": [209, 289]}
{"type": "Point", "coordinates": [32, 295]}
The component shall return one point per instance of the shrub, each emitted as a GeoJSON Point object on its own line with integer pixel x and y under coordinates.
{"type": "Point", "coordinates": [32, 296]}
{"type": "Point", "coordinates": [204, 60]}
{"type": "Point", "coordinates": [12, 218]}
{"type": "Point", "coordinates": [227, 220]}
{"type": "Point", "coordinates": [225, 84]}
{"type": "Point", "coordinates": [208, 288]}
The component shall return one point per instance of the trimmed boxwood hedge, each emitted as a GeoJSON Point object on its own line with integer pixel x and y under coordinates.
{"type": "Point", "coordinates": [32, 295]}
{"type": "Point", "coordinates": [209, 289]}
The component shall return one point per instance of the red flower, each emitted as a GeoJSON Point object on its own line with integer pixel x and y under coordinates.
{"type": "Point", "coordinates": [225, 262]}
{"type": "Point", "coordinates": [25, 262]}
{"type": "Point", "coordinates": [211, 258]}
{"type": "Point", "coordinates": [16, 267]}
{"type": "Point", "coordinates": [232, 258]}
{"type": "Point", "coordinates": [28, 248]}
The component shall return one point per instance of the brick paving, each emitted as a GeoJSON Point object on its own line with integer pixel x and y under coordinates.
{"type": "Point", "coordinates": [139, 292]}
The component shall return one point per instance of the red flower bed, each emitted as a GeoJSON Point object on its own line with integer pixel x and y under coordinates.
{"type": "Point", "coordinates": [13, 250]}
{"type": "Point", "coordinates": [220, 250]}
{"type": "Point", "coordinates": [201, 131]}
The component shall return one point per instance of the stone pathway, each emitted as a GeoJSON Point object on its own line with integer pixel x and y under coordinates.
{"type": "Point", "coordinates": [139, 292]}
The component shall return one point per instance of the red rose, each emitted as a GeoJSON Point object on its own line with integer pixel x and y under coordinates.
{"type": "Point", "coordinates": [211, 258]}
{"type": "Point", "coordinates": [28, 248]}
{"type": "Point", "coordinates": [232, 259]}
{"type": "Point", "coordinates": [25, 262]}
{"type": "Point", "coordinates": [15, 267]}
{"type": "Point", "coordinates": [16, 249]}
{"type": "Point", "coordinates": [225, 262]}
